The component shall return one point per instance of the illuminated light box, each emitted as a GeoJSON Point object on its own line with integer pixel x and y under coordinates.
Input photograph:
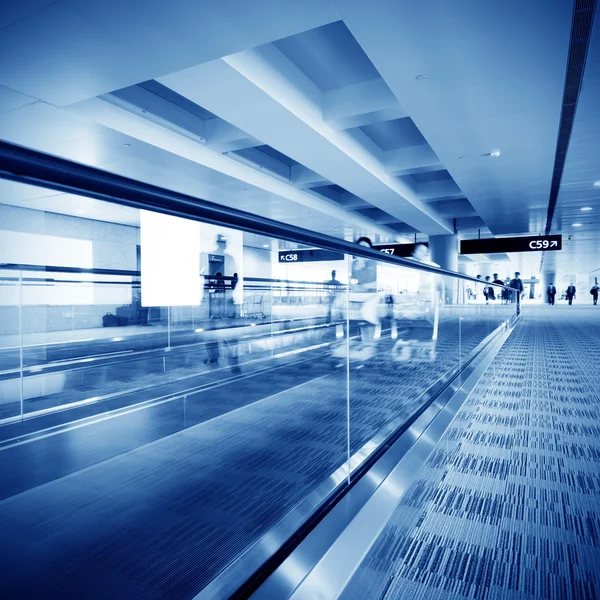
{"type": "Point", "coordinates": [170, 260]}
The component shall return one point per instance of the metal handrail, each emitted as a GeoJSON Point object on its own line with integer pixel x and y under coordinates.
{"type": "Point", "coordinates": [25, 165]}
{"type": "Point", "coordinates": [59, 269]}
{"type": "Point", "coordinates": [129, 273]}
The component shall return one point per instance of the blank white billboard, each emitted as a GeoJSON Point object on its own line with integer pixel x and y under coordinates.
{"type": "Point", "coordinates": [170, 260]}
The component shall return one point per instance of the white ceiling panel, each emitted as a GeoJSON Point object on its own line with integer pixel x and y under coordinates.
{"type": "Point", "coordinates": [18, 10]}
{"type": "Point", "coordinates": [394, 134]}
{"type": "Point", "coordinates": [495, 75]}
{"type": "Point", "coordinates": [12, 192]}
{"type": "Point", "coordinates": [329, 56]}
{"type": "Point", "coordinates": [45, 127]}
{"type": "Point", "coordinates": [79, 206]}
{"type": "Point", "coordinates": [73, 50]}
{"type": "Point", "coordinates": [11, 100]}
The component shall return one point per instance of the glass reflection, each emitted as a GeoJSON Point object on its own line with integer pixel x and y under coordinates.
{"type": "Point", "coordinates": [188, 360]}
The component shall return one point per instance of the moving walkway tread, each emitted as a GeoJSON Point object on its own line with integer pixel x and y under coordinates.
{"type": "Point", "coordinates": [162, 520]}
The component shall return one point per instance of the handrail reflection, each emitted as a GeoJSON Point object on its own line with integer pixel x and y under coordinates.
{"type": "Point", "coordinates": [33, 167]}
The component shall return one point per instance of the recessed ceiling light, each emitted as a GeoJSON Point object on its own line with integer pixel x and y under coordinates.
{"type": "Point", "coordinates": [597, 183]}
{"type": "Point", "coordinates": [586, 208]}
{"type": "Point", "coordinates": [265, 245]}
{"type": "Point", "coordinates": [576, 224]}
{"type": "Point", "coordinates": [495, 153]}
{"type": "Point", "coordinates": [422, 76]}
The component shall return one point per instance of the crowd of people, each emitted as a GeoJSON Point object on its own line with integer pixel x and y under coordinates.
{"type": "Point", "coordinates": [492, 293]}
{"type": "Point", "coordinates": [571, 293]}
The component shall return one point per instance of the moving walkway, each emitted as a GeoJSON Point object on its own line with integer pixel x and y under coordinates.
{"type": "Point", "coordinates": [211, 486]}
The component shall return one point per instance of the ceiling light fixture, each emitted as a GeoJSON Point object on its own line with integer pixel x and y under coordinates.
{"type": "Point", "coordinates": [586, 208]}
{"type": "Point", "coordinates": [495, 153]}
{"type": "Point", "coordinates": [265, 245]}
{"type": "Point", "coordinates": [576, 224]}
{"type": "Point", "coordinates": [422, 76]}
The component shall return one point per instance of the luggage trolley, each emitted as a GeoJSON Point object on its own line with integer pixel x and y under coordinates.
{"type": "Point", "coordinates": [254, 309]}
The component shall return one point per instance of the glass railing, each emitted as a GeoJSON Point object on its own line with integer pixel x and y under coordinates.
{"type": "Point", "coordinates": [411, 323]}
{"type": "Point", "coordinates": [240, 415]}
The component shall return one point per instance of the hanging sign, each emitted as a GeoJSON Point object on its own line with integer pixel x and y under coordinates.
{"type": "Point", "coordinates": [404, 250]}
{"type": "Point", "coordinates": [535, 243]}
{"type": "Point", "coordinates": [308, 255]}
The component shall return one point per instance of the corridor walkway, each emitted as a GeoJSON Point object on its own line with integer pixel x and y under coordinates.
{"type": "Point", "coordinates": [508, 504]}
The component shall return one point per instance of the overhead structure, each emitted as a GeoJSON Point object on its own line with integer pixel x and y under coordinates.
{"type": "Point", "coordinates": [392, 120]}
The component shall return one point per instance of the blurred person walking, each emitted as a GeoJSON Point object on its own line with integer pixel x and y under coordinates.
{"type": "Point", "coordinates": [500, 292]}
{"type": "Point", "coordinates": [516, 284]}
{"type": "Point", "coordinates": [490, 294]}
{"type": "Point", "coordinates": [571, 292]}
{"type": "Point", "coordinates": [594, 292]}
{"type": "Point", "coordinates": [333, 288]}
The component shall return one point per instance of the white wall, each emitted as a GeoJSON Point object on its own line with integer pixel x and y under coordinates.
{"type": "Point", "coordinates": [257, 262]}
{"type": "Point", "coordinates": [41, 238]}
{"type": "Point", "coordinates": [113, 246]}
{"type": "Point", "coordinates": [319, 271]}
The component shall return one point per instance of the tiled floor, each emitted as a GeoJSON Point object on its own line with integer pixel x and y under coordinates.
{"type": "Point", "coordinates": [508, 504]}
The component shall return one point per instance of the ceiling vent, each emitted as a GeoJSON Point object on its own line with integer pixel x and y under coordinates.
{"type": "Point", "coordinates": [581, 27]}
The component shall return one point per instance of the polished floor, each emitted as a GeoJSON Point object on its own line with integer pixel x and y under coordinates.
{"type": "Point", "coordinates": [508, 504]}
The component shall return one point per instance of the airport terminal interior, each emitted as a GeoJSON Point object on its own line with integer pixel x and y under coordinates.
{"type": "Point", "coordinates": [299, 300]}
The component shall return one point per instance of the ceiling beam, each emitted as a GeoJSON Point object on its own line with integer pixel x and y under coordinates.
{"type": "Point", "coordinates": [285, 110]}
{"type": "Point", "coordinates": [303, 177]}
{"type": "Point", "coordinates": [262, 161]}
{"type": "Point", "coordinates": [224, 137]}
{"type": "Point", "coordinates": [415, 159]}
{"type": "Point", "coordinates": [433, 190]}
{"type": "Point", "coordinates": [360, 104]}
{"type": "Point", "coordinates": [142, 126]}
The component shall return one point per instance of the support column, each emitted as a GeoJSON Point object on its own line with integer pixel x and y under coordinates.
{"type": "Point", "coordinates": [444, 251]}
{"type": "Point", "coordinates": [486, 269]}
